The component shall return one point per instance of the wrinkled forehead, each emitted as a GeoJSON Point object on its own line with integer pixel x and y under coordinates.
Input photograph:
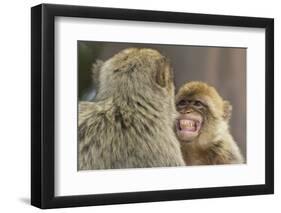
{"type": "Point", "coordinates": [205, 95]}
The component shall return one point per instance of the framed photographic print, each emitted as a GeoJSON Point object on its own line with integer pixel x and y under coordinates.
{"type": "Point", "coordinates": [139, 106]}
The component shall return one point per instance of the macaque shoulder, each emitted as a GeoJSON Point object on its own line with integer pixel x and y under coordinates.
{"type": "Point", "coordinates": [88, 109]}
{"type": "Point", "coordinates": [223, 152]}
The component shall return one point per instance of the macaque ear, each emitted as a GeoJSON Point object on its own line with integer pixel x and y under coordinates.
{"type": "Point", "coordinates": [96, 67]}
{"type": "Point", "coordinates": [227, 110]}
{"type": "Point", "coordinates": [164, 75]}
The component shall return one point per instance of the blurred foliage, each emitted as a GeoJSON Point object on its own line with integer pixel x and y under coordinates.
{"type": "Point", "coordinates": [87, 55]}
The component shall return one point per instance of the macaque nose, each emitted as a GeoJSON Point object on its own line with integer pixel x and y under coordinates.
{"type": "Point", "coordinates": [189, 111]}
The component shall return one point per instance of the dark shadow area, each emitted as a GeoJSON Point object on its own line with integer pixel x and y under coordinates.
{"type": "Point", "coordinates": [25, 200]}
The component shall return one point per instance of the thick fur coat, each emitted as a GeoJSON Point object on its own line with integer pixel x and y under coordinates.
{"type": "Point", "coordinates": [130, 123]}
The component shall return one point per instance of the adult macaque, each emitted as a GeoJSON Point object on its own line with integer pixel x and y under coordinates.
{"type": "Point", "coordinates": [202, 126]}
{"type": "Point", "coordinates": [130, 123]}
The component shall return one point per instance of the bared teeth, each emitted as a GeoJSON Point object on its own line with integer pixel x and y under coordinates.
{"type": "Point", "coordinates": [187, 124]}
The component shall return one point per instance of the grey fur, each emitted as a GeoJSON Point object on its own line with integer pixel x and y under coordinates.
{"type": "Point", "coordinates": [130, 125]}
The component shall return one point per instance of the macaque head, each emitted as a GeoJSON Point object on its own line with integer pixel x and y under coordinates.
{"type": "Point", "coordinates": [136, 71]}
{"type": "Point", "coordinates": [202, 111]}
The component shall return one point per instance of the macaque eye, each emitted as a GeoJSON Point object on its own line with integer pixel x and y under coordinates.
{"type": "Point", "coordinates": [182, 103]}
{"type": "Point", "coordinates": [197, 104]}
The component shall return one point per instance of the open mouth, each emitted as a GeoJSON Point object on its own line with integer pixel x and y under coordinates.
{"type": "Point", "coordinates": [187, 128]}
{"type": "Point", "coordinates": [188, 125]}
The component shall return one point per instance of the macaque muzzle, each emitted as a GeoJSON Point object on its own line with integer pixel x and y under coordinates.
{"type": "Point", "coordinates": [188, 126]}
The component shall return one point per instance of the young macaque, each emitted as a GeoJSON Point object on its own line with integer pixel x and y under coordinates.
{"type": "Point", "coordinates": [202, 126]}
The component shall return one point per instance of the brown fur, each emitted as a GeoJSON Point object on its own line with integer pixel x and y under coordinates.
{"type": "Point", "coordinates": [130, 124]}
{"type": "Point", "coordinates": [214, 143]}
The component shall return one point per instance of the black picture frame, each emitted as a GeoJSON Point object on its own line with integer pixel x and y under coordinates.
{"type": "Point", "coordinates": [43, 102]}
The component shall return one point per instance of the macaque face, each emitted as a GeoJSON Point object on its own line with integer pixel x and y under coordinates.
{"type": "Point", "coordinates": [191, 119]}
